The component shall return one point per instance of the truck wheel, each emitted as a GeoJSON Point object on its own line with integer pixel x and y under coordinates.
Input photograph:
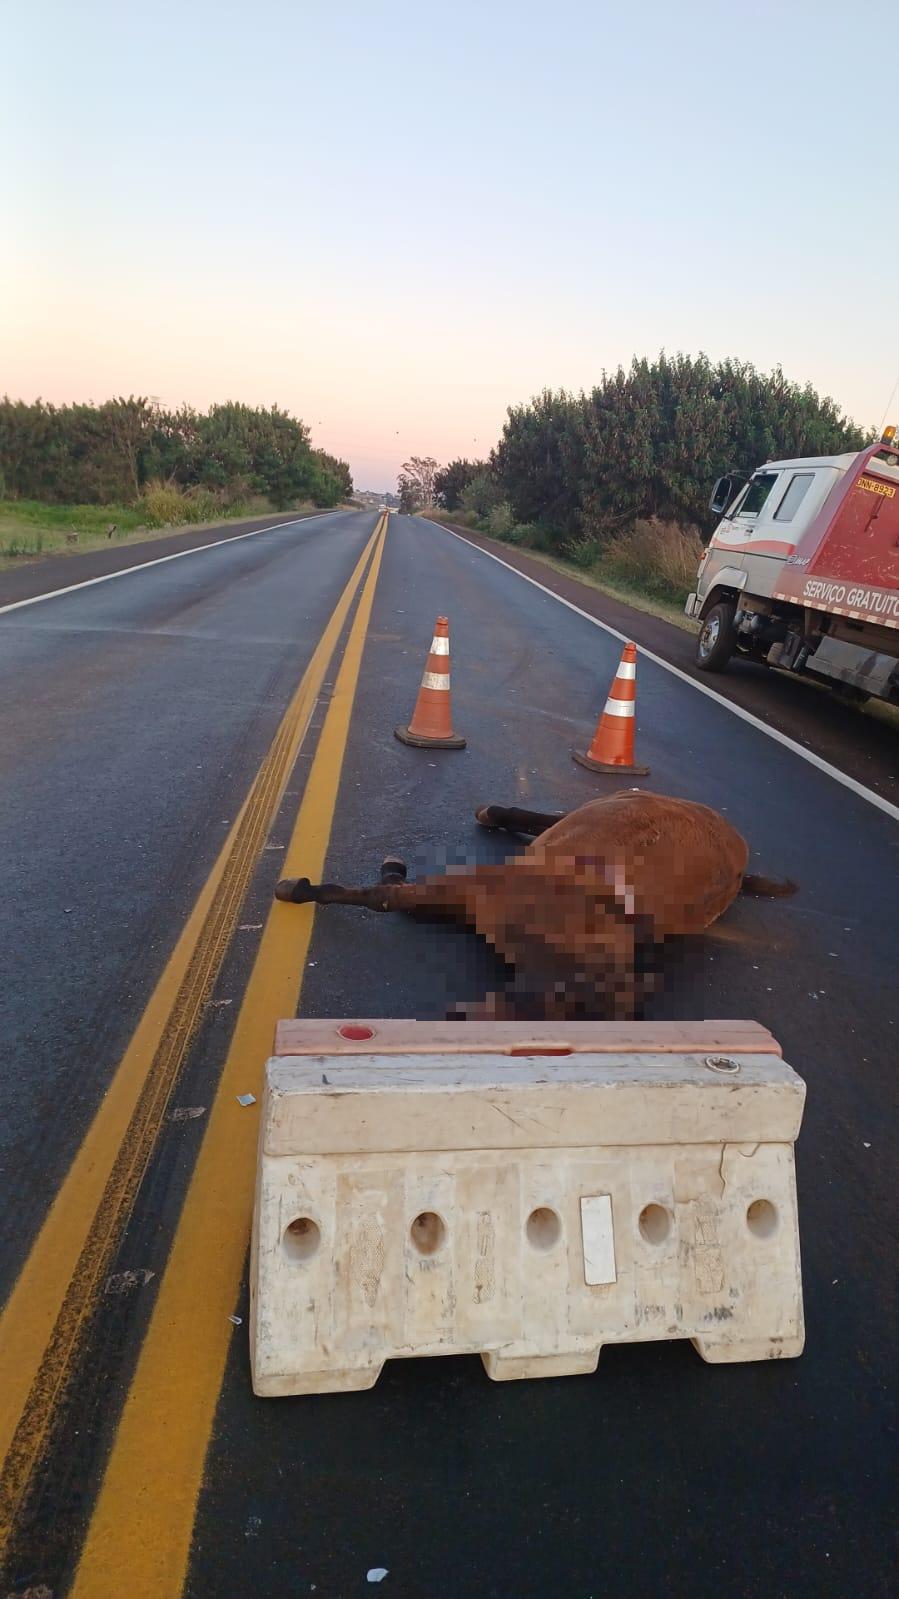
{"type": "Point", "coordinates": [717, 641]}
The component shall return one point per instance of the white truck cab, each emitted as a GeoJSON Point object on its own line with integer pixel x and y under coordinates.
{"type": "Point", "coordinates": [761, 526]}
{"type": "Point", "coordinates": [789, 521]}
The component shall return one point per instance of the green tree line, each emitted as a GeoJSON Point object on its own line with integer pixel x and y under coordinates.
{"type": "Point", "coordinates": [644, 444]}
{"type": "Point", "coordinates": [108, 454]}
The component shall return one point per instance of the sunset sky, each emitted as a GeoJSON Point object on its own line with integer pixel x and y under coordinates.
{"type": "Point", "coordinates": [395, 220]}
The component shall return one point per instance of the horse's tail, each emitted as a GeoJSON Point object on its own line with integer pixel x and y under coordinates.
{"type": "Point", "coordinates": [767, 887]}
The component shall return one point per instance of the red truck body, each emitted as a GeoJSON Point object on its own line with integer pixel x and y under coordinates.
{"type": "Point", "coordinates": [847, 561]}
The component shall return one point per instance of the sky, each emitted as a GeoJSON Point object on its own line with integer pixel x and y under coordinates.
{"type": "Point", "coordinates": [396, 220]}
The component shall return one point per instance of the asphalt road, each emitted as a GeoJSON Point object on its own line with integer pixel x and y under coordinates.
{"type": "Point", "coordinates": [860, 741]}
{"type": "Point", "coordinates": [19, 583]}
{"type": "Point", "coordinates": [136, 715]}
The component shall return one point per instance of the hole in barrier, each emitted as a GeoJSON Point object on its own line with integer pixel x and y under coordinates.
{"type": "Point", "coordinates": [544, 1228]}
{"type": "Point", "coordinates": [655, 1223]}
{"type": "Point", "coordinates": [761, 1218]}
{"type": "Point", "coordinates": [428, 1233]}
{"type": "Point", "coordinates": [356, 1033]}
{"type": "Point", "coordinates": [302, 1238]}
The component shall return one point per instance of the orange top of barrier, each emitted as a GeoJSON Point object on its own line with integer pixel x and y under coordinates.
{"type": "Point", "coordinates": [383, 1036]}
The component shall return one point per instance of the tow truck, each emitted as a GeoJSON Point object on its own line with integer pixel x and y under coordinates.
{"type": "Point", "coordinates": [802, 571]}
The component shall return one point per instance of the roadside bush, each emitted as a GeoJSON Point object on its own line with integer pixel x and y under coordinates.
{"type": "Point", "coordinates": [525, 536]}
{"type": "Point", "coordinates": [500, 521]}
{"type": "Point", "coordinates": [20, 545]}
{"type": "Point", "coordinates": [210, 505]}
{"type": "Point", "coordinates": [203, 505]}
{"type": "Point", "coordinates": [659, 557]}
{"type": "Point", "coordinates": [583, 551]}
{"type": "Point", "coordinates": [163, 504]}
{"type": "Point", "coordinates": [481, 495]}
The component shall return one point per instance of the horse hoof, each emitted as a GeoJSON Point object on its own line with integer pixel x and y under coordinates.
{"type": "Point", "coordinates": [393, 870]}
{"type": "Point", "coordinates": [292, 890]}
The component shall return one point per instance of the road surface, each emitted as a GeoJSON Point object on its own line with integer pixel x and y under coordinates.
{"type": "Point", "coordinates": [139, 714]}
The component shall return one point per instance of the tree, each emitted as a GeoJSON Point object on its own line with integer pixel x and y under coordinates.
{"type": "Point", "coordinates": [416, 483]}
{"type": "Point", "coordinates": [332, 481]}
{"type": "Point", "coordinates": [654, 439]}
{"type": "Point", "coordinates": [450, 481]}
{"type": "Point", "coordinates": [537, 461]}
{"type": "Point", "coordinates": [94, 454]}
{"type": "Point", "coordinates": [650, 442]}
{"type": "Point", "coordinates": [130, 425]}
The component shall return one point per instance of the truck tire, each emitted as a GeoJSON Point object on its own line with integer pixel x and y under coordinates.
{"type": "Point", "coordinates": [717, 640]}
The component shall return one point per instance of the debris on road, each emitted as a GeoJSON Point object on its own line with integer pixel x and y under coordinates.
{"type": "Point", "coordinates": [121, 1281]}
{"type": "Point", "coordinates": [236, 1321]}
{"type": "Point", "coordinates": [246, 1099]}
{"type": "Point", "coordinates": [187, 1113]}
{"type": "Point", "coordinates": [376, 1574]}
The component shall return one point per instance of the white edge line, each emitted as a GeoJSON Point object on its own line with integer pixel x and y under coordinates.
{"type": "Point", "coordinates": [737, 710]}
{"type": "Point", "coordinates": [176, 555]}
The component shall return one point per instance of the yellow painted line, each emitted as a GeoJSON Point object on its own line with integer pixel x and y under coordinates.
{"type": "Point", "coordinates": [138, 1542]}
{"type": "Point", "coordinates": [55, 1294]}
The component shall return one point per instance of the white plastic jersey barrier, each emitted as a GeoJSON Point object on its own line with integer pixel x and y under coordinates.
{"type": "Point", "coordinates": [528, 1199]}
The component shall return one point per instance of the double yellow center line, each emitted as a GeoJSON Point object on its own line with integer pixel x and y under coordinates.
{"type": "Point", "coordinates": [139, 1537]}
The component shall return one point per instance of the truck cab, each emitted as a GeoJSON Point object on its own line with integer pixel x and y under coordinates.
{"type": "Point", "coordinates": [763, 588]}
{"type": "Point", "coordinates": [763, 521]}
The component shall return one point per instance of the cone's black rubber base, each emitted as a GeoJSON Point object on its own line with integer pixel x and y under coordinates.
{"type": "Point", "coordinates": [602, 766]}
{"type": "Point", "coordinates": [419, 743]}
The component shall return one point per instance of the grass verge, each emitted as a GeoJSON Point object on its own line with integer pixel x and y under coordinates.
{"type": "Point", "coordinates": [31, 530]}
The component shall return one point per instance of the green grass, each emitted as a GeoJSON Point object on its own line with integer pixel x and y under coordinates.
{"type": "Point", "coordinates": [30, 529]}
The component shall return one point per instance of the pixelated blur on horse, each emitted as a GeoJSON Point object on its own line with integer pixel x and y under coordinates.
{"type": "Point", "coordinates": [582, 914]}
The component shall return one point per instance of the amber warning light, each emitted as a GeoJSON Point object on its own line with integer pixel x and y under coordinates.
{"type": "Point", "coordinates": [888, 434]}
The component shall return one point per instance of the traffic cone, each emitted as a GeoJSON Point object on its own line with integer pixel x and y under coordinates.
{"type": "Point", "coordinates": [612, 749]}
{"type": "Point", "coordinates": [431, 727]}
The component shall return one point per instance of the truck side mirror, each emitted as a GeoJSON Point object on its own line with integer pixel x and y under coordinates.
{"type": "Point", "coordinates": [722, 494]}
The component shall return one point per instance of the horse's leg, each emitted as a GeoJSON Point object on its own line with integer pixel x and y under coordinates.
{"type": "Point", "coordinates": [452, 897]}
{"type": "Point", "coordinates": [512, 820]}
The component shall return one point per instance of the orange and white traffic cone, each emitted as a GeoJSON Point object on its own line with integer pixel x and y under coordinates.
{"type": "Point", "coordinates": [612, 749]}
{"type": "Point", "coordinates": [431, 727]}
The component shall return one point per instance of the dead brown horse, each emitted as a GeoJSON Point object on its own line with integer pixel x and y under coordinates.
{"type": "Point", "coordinates": [582, 913]}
